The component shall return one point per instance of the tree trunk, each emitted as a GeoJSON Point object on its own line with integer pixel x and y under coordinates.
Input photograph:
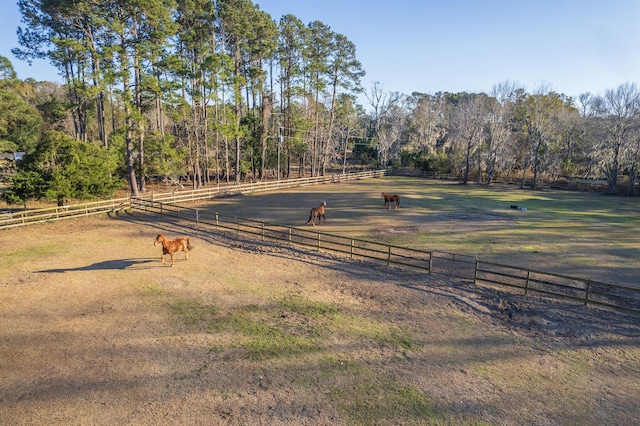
{"type": "Point", "coordinates": [129, 123]}
{"type": "Point", "coordinates": [613, 174]}
{"type": "Point", "coordinates": [633, 173]}
{"type": "Point", "coordinates": [267, 106]}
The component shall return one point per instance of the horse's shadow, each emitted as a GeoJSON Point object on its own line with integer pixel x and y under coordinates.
{"type": "Point", "coordinates": [106, 265]}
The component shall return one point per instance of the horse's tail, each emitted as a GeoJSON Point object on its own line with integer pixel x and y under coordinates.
{"type": "Point", "coordinates": [310, 216]}
{"type": "Point", "coordinates": [189, 246]}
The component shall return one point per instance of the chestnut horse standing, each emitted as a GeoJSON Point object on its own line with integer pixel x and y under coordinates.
{"type": "Point", "coordinates": [389, 198]}
{"type": "Point", "coordinates": [317, 212]}
{"type": "Point", "coordinates": [171, 247]}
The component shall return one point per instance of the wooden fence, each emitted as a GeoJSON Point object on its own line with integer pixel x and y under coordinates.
{"type": "Point", "coordinates": [352, 247]}
{"type": "Point", "coordinates": [9, 219]}
{"type": "Point", "coordinates": [588, 292]}
{"type": "Point", "coordinates": [255, 187]}
{"type": "Point", "coordinates": [12, 219]}
{"type": "Point", "coordinates": [573, 184]}
{"type": "Point", "coordinates": [585, 291]}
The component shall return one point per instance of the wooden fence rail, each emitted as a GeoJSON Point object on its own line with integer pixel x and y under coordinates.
{"type": "Point", "coordinates": [588, 292]}
{"type": "Point", "coordinates": [9, 219]}
{"type": "Point", "coordinates": [353, 247]}
{"type": "Point", "coordinates": [256, 187]}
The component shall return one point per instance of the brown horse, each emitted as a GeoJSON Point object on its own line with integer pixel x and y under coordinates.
{"type": "Point", "coordinates": [171, 247]}
{"type": "Point", "coordinates": [317, 212]}
{"type": "Point", "coordinates": [388, 199]}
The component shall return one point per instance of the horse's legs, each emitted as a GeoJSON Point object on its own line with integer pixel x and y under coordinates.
{"type": "Point", "coordinates": [162, 259]}
{"type": "Point", "coordinates": [172, 260]}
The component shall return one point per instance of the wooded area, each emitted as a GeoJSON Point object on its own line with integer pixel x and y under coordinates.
{"type": "Point", "coordinates": [205, 90]}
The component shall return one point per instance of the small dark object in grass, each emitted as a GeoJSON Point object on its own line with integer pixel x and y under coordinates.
{"type": "Point", "coordinates": [514, 207]}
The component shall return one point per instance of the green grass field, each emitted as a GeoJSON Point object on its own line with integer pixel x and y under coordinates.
{"type": "Point", "coordinates": [587, 235]}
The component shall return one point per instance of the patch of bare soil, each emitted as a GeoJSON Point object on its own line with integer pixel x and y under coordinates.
{"type": "Point", "coordinates": [462, 221]}
{"type": "Point", "coordinates": [475, 217]}
{"type": "Point", "coordinates": [89, 335]}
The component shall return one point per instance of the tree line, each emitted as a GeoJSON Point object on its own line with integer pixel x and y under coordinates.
{"type": "Point", "coordinates": [219, 90]}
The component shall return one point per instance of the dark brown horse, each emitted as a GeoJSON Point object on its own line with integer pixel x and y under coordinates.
{"type": "Point", "coordinates": [171, 247]}
{"type": "Point", "coordinates": [317, 212]}
{"type": "Point", "coordinates": [389, 198]}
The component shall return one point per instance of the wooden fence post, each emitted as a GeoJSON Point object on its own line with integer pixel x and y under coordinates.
{"type": "Point", "coordinates": [526, 284]}
{"type": "Point", "coordinates": [587, 292]}
{"type": "Point", "coordinates": [475, 273]}
{"type": "Point", "coordinates": [453, 261]}
{"type": "Point", "coordinates": [351, 249]}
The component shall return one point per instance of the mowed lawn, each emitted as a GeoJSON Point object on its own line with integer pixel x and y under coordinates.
{"type": "Point", "coordinates": [587, 235]}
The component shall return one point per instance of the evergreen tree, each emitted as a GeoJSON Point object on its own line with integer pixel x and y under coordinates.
{"type": "Point", "coordinates": [62, 167]}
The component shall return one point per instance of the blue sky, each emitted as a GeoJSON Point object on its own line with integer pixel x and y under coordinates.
{"type": "Point", "coordinates": [571, 46]}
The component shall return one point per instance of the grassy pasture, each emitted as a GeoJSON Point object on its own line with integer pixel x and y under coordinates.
{"type": "Point", "coordinates": [95, 330]}
{"type": "Point", "coordinates": [578, 234]}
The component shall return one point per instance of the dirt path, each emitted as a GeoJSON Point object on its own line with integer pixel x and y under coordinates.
{"type": "Point", "coordinates": [95, 330]}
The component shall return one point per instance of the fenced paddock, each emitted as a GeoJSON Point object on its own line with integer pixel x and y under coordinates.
{"type": "Point", "coordinates": [294, 236]}
{"type": "Point", "coordinates": [257, 187]}
{"type": "Point", "coordinates": [10, 219]}
{"type": "Point", "coordinates": [588, 292]}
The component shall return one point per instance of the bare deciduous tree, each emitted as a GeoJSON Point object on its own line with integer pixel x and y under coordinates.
{"type": "Point", "coordinates": [392, 125]}
{"type": "Point", "coordinates": [469, 122]}
{"type": "Point", "coordinates": [618, 111]}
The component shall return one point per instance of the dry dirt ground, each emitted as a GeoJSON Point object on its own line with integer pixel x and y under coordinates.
{"type": "Point", "coordinates": [95, 330]}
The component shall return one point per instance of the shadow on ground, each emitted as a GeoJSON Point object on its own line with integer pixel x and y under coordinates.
{"type": "Point", "coordinates": [106, 265]}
